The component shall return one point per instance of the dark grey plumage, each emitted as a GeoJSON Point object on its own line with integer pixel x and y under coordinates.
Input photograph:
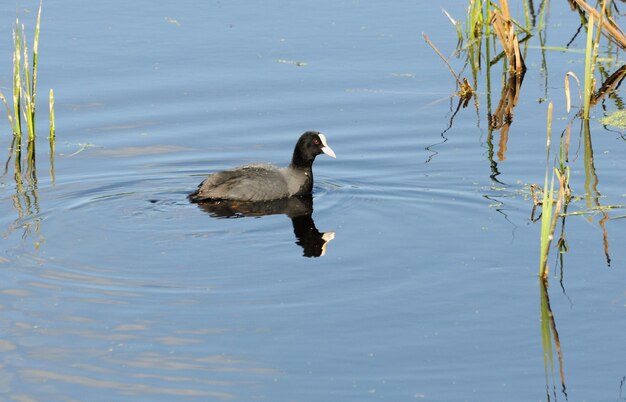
{"type": "Point", "coordinates": [267, 182]}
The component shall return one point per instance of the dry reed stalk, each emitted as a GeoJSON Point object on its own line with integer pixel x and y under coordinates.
{"type": "Point", "coordinates": [505, 31]}
{"type": "Point", "coordinates": [465, 89]}
{"type": "Point", "coordinates": [567, 90]}
{"type": "Point", "coordinates": [609, 28]}
{"type": "Point", "coordinates": [431, 44]}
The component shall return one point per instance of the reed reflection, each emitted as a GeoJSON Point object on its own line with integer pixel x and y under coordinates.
{"type": "Point", "coordinates": [25, 200]}
{"type": "Point", "coordinates": [592, 195]}
{"type": "Point", "coordinates": [298, 209]}
{"type": "Point", "coordinates": [550, 336]}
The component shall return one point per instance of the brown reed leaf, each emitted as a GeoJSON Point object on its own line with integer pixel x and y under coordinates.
{"type": "Point", "coordinates": [505, 31]}
{"type": "Point", "coordinates": [609, 27]}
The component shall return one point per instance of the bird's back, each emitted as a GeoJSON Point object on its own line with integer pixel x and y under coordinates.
{"type": "Point", "coordinates": [246, 183]}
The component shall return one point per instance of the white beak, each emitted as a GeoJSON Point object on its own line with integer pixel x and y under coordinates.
{"type": "Point", "coordinates": [326, 149]}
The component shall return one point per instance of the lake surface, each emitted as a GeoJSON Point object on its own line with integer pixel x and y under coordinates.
{"type": "Point", "coordinates": [114, 287]}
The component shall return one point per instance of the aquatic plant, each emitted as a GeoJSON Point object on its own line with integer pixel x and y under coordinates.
{"type": "Point", "coordinates": [553, 202]}
{"type": "Point", "coordinates": [22, 109]}
{"type": "Point", "coordinates": [52, 127]}
{"type": "Point", "coordinates": [24, 89]}
{"type": "Point", "coordinates": [615, 119]}
{"type": "Point", "coordinates": [485, 21]}
{"type": "Point", "coordinates": [52, 135]}
{"type": "Point", "coordinates": [457, 26]}
{"type": "Point", "coordinates": [465, 91]}
{"type": "Point", "coordinates": [15, 120]}
{"type": "Point", "coordinates": [476, 17]}
{"type": "Point", "coordinates": [505, 31]}
{"type": "Point", "coordinates": [488, 20]}
{"type": "Point", "coordinates": [607, 26]}
{"type": "Point", "coordinates": [590, 57]}
{"type": "Point", "coordinates": [610, 29]}
{"type": "Point", "coordinates": [30, 92]}
{"type": "Point", "coordinates": [480, 50]}
{"type": "Point", "coordinates": [546, 205]}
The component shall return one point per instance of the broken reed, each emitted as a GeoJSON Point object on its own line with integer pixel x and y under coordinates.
{"type": "Point", "coordinates": [483, 15]}
{"type": "Point", "coordinates": [465, 89]}
{"type": "Point", "coordinates": [504, 28]}
{"type": "Point", "coordinates": [24, 84]}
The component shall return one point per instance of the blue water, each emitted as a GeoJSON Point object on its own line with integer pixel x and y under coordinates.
{"type": "Point", "coordinates": [114, 287]}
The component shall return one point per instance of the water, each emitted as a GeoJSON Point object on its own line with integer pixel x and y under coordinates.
{"type": "Point", "coordinates": [114, 287]}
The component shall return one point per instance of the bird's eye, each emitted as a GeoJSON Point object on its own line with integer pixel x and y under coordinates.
{"type": "Point", "coordinates": [316, 141]}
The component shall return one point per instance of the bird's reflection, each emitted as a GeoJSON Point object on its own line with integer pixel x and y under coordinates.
{"type": "Point", "coordinates": [299, 209]}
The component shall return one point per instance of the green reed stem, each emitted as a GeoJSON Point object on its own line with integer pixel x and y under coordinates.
{"type": "Point", "coordinates": [8, 109]}
{"type": "Point", "coordinates": [17, 82]}
{"type": "Point", "coordinates": [24, 81]}
{"type": "Point", "coordinates": [547, 204]}
{"type": "Point", "coordinates": [31, 79]}
{"type": "Point", "coordinates": [52, 136]}
{"type": "Point", "coordinates": [475, 19]}
{"type": "Point", "coordinates": [52, 128]}
{"type": "Point", "coordinates": [33, 88]}
{"type": "Point", "coordinates": [588, 68]}
{"type": "Point", "coordinates": [546, 223]}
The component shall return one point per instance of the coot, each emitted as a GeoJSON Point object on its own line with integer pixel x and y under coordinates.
{"type": "Point", "coordinates": [267, 182]}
